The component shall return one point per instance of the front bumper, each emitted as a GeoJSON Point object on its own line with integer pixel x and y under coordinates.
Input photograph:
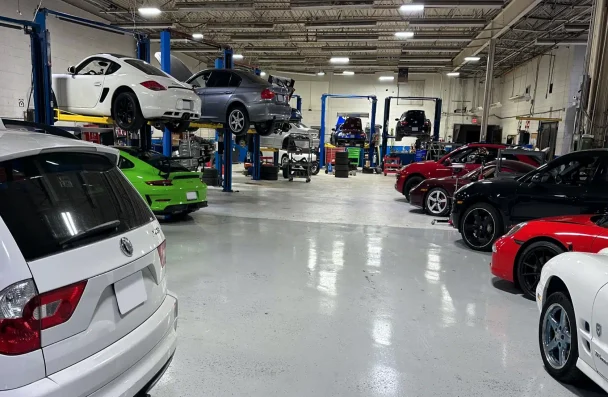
{"type": "Point", "coordinates": [504, 252]}
{"type": "Point", "coordinates": [268, 111]}
{"type": "Point", "coordinates": [173, 104]}
{"type": "Point", "coordinates": [455, 216]}
{"type": "Point", "coordinates": [125, 368]}
{"type": "Point", "coordinates": [399, 183]}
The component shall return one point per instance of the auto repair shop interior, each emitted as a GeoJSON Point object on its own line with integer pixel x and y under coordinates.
{"type": "Point", "coordinates": [303, 198]}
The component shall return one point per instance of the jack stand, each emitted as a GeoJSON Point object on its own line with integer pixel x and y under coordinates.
{"type": "Point", "coordinates": [440, 221]}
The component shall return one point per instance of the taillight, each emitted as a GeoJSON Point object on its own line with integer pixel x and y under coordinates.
{"type": "Point", "coordinates": [162, 253]}
{"type": "Point", "coordinates": [404, 122]}
{"type": "Point", "coordinates": [153, 85]}
{"type": "Point", "coordinates": [267, 94]}
{"type": "Point", "coordinates": [24, 313]}
{"type": "Point", "coordinates": [162, 182]}
{"type": "Point", "coordinates": [426, 123]}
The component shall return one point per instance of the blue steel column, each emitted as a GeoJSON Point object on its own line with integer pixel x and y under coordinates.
{"type": "Point", "coordinates": [228, 64]}
{"type": "Point", "coordinates": [165, 65]}
{"type": "Point", "coordinates": [372, 131]}
{"type": "Point", "coordinates": [256, 160]}
{"type": "Point", "coordinates": [219, 64]}
{"type": "Point", "coordinates": [322, 132]}
{"type": "Point", "coordinates": [299, 103]}
{"type": "Point", "coordinates": [41, 51]}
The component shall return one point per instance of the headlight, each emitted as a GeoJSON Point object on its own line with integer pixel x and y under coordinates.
{"type": "Point", "coordinates": [515, 229]}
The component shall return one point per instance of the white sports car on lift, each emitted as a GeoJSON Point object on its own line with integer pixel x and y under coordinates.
{"type": "Point", "coordinates": [129, 90]}
{"type": "Point", "coordinates": [572, 296]}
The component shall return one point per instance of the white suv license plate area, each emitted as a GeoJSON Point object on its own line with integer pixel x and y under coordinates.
{"type": "Point", "coordinates": [130, 292]}
{"type": "Point", "coordinates": [184, 104]}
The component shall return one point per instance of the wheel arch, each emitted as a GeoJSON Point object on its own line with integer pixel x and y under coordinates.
{"type": "Point", "coordinates": [476, 200]}
{"type": "Point", "coordinates": [527, 244]}
{"type": "Point", "coordinates": [235, 103]}
{"type": "Point", "coordinates": [556, 284]}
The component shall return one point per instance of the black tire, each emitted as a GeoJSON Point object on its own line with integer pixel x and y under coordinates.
{"type": "Point", "coordinates": [341, 174]}
{"type": "Point", "coordinates": [177, 126]}
{"type": "Point", "coordinates": [412, 182]}
{"type": "Point", "coordinates": [548, 335]}
{"type": "Point", "coordinates": [341, 155]}
{"type": "Point", "coordinates": [265, 129]}
{"type": "Point", "coordinates": [342, 162]}
{"type": "Point", "coordinates": [126, 111]}
{"type": "Point", "coordinates": [342, 168]}
{"type": "Point", "coordinates": [284, 160]}
{"type": "Point", "coordinates": [285, 173]}
{"type": "Point", "coordinates": [210, 173]}
{"type": "Point", "coordinates": [481, 225]}
{"type": "Point", "coordinates": [270, 177]}
{"type": "Point", "coordinates": [269, 170]}
{"type": "Point", "coordinates": [314, 168]}
{"type": "Point", "coordinates": [367, 170]}
{"type": "Point", "coordinates": [237, 120]}
{"type": "Point", "coordinates": [437, 202]}
{"type": "Point", "coordinates": [530, 263]}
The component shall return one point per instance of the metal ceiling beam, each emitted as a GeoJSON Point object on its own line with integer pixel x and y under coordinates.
{"type": "Point", "coordinates": [214, 6]}
{"type": "Point", "coordinates": [511, 14]}
{"type": "Point", "coordinates": [477, 4]}
{"type": "Point", "coordinates": [345, 49]}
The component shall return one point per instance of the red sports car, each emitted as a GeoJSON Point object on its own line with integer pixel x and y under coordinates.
{"type": "Point", "coordinates": [434, 194]}
{"type": "Point", "coordinates": [520, 255]}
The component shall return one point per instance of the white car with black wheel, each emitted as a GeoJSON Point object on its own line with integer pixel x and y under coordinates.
{"type": "Point", "coordinates": [84, 305]}
{"type": "Point", "coordinates": [129, 90]}
{"type": "Point", "coordinates": [572, 296]}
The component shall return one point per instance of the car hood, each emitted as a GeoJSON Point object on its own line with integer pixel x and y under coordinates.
{"type": "Point", "coordinates": [576, 219]}
{"type": "Point", "coordinates": [178, 69]}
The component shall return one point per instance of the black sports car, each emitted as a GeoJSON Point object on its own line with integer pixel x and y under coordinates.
{"type": "Point", "coordinates": [412, 123]}
{"type": "Point", "coordinates": [575, 183]}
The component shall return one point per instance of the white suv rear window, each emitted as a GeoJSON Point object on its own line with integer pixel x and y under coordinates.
{"type": "Point", "coordinates": [49, 198]}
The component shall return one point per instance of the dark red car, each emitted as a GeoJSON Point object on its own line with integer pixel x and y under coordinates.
{"type": "Point", "coordinates": [434, 194]}
{"type": "Point", "coordinates": [519, 255]}
{"type": "Point", "coordinates": [463, 160]}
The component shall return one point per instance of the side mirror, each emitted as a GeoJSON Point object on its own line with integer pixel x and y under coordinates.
{"type": "Point", "coordinates": [71, 70]}
{"type": "Point", "coordinates": [396, 119]}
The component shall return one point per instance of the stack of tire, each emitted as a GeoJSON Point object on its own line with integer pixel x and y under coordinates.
{"type": "Point", "coordinates": [269, 172]}
{"type": "Point", "coordinates": [211, 177]}
{"type": "Point", "coordinates": [342, 165]}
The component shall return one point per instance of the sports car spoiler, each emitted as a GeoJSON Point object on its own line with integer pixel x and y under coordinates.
{"type": "Point", "coordinates": [283, 82]}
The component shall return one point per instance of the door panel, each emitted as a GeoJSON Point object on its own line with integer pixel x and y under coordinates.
{"type": "Point", "coordinates": [534, 201]}
{"type": "Point", "coordinates": [217, 95]}
{"type": "Point", "coordinates": [82, 91]}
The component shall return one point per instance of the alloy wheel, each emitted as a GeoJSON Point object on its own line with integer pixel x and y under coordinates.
{"type": "Point", "coordinates": [478, 227]}
{"type": "Point", "coordinates": [436, 202]}
{"type": "Point", "coordinates": [236, 120]}
{"type": "Point", "coordinates": [556, 336]}
{"type": "Point", "coordinates": [125, 111]}
{"type": "Point", "coordinates": [532, 264]}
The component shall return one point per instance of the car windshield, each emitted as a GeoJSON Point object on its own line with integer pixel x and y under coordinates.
{"type": "Point", "coordinates": [50, 198]}
{"type": "Point", "coordinates": [601, 220]}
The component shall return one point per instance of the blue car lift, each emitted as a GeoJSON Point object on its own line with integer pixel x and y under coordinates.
{"type": "Point", "coordinates": [323, 122]}
{"type": "Point", "coordinates": [40, 46]}
{"type": "Point", "coordinates": [387, 112]}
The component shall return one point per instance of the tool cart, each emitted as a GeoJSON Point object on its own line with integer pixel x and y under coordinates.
{"type": "Point", "coordinates": [299, 145]}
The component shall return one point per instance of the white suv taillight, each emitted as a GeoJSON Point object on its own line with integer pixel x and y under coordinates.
{"type": "Point", "coordinates": [24, 313]}
{"type": "Point", "coordinates": [162, 253]}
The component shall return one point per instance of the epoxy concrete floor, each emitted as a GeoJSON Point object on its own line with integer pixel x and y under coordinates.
{"type": "Point", "coordinates": [340, 288]}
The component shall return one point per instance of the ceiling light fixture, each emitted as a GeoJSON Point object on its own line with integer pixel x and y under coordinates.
{"type": "Point", "coordinates": [148, 11]}
{"type": "Point", "coordinates": [341, 60]}
{"type": "Point", "coordinates": [197, 36]}
{"type": "Point", "coordinates": [472, 59]}
{"type": "Point", "coordinates": [386, 78]}
{"type": "Point", "coordinates": [460, 4]}
{"type": "Point", "coordinates": [404, 35]}
{"type": "Point", "coordinates": [237, 57]}
{"type": "Point", "coordinates": [348, 73]}
{"type": "Point", "coordinates": [321, 74]}
{"type": "Point", "coordinates": [262, 74]}
{"type": "Point", "coordinates": [453, 74]}
{"type": "Point", "coordinates": [412, 8]}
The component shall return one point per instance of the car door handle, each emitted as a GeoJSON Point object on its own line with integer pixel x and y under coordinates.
{"type": "Point", "coordinates": [98, 84]}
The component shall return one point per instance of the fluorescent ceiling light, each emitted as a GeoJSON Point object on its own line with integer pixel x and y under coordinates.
{"type": "Point", "coordinates": [440, 22]}
{"type": "Point", "coordinates": [433, 37]}
{"type": "Point", "coordinates": [460, 4]}
{"type": "Point", "coordinates": [262, 74]}
{"type": "Point", "coordinates": [341, 60]}
{"type": "Point", "coordinates": [321, 74]}
{"type": "Point", "coordinates": [144, 25]}
{"type": "Point", "coordinates": [409, 49]}
{"type": "Point", "coordinates": [237, 57]}
{"type": "Point", "coordinates": [386, 78]}
{"type": "Point", "coordinates": [149, 11]}
{"type": "Point", "coordinates": [561, 42]}
{"type": "Point", "coordinates": [214, 6]}
{"type": "Point", "coordinates": [404, 35]}
{"type": "Point", "coordinates": [348, 73]}
{"type": "Point", "coordinates": [339, 24]}
{"type": "Point", "coordinates": [349, 49]}
{"type": "Point", "coordinates": [453, 74]}
{"type": "Point", "coordinates": [412, 8]}
{"type": "Point", "coordinates": [270, 49]}
{"type": "Point", "coordinates": [197, 36]}
{"type": "Point", "coordinates": [472, 59]}
{"type": "Point", "coordinates": [347, 38]}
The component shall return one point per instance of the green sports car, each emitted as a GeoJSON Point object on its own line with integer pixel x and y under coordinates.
{"type": "Point", "coordinates": [167, 186]}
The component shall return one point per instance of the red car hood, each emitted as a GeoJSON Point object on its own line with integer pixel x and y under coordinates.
{"type": "Point", "coordinates": [577, 219]}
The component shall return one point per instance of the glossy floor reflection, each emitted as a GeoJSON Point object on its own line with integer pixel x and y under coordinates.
{"type": "Point", "coordinates": [299, 307]}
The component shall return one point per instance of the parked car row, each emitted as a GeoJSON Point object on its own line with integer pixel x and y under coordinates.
{"type": "Point", "coordinates": [547, 228]}
{"type": "Point", "coordinates": [133, 92]}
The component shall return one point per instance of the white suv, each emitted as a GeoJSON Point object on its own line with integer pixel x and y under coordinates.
{"type": "Point", "coordinates": [84, 306]}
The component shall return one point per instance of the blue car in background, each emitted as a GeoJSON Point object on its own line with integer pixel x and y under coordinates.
{"type": "Point", "coordinates": [348, 132]}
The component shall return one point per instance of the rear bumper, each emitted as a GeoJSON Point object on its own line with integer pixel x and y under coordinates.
{"type": "Point", "coordinates": [170, 105]}
{"type": "Point", "coordinates": [120, 369]}
{"type": "Point", "coordinates": [181, 208]}
{"type": "Point", "coordinates": [408, 132]}
{"type": "Point", "coordinates": [266, 111]}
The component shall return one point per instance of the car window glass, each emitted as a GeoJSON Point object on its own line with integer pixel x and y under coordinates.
{"type": "Point", "coordinates": [113, 68]}
{"type": "Point", "coordinates": [460, 155]}
{"type": "Point", "coordinates": [235, 80]}
{"type": "Point", "coordinates": [200, 80]}
{"type": "Point", "coordinates": [145, 67]}
{"type": "Point", "coordinates": [124, 164]}
{"type": "Point", "coordinates": [472, 156]}
{"type": "Point", "coordinates": [492, 154]}
{"type": "Point", "coordinates": [220, 78]}
{"type": "Point", "coordinates": [93, 67]}
{"type": "Point", "coordinates": [489, 172]}
{"type": "Point", "coordinates": [576, 172]}
{"type": "Point", "coordinates": [50, 197]}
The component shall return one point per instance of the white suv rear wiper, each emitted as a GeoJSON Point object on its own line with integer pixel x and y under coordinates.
{"type": "Point", "coordinates": [99, 229]}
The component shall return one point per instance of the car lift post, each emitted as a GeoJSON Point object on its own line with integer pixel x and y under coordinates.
{"type": "Point", "coordinates": [372, 128]}
{"type": "Point", "coordinates": [143, 53]}
{"type": "Point", "coordinates": [165, 65]}
{"type": "Point", "coordinates": [256, 160]}
{"type": "Point", "coordinates": [387, 112]}
{"type": "Point", "coordinates": [228, 64]}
